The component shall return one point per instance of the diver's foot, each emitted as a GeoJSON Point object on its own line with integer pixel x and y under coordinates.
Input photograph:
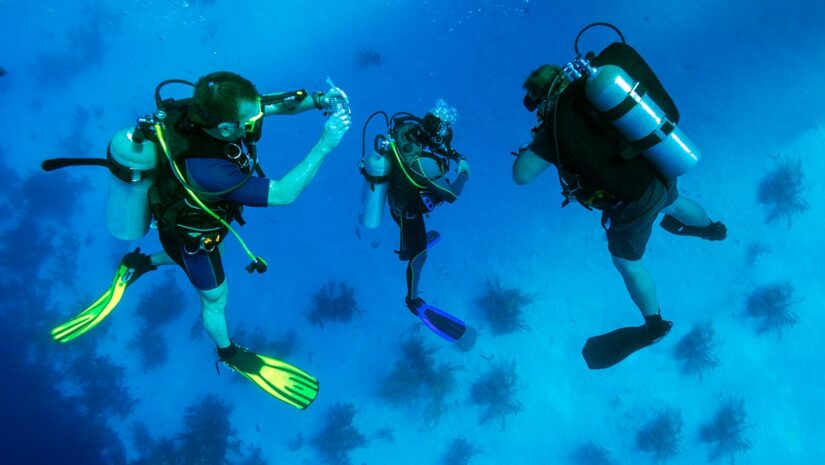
{"type": "Point", "coordinates": [139, 262]}
{"type": "Point", "coordinates": [442, 323]}
{"type": "Point", "coordinates": [227, 353]}
{"type": "Point", "coordinates": [656, 327]}
{"type": "Point", "coordinates": [715, 231]}
{"type": "Point", "coordinates": [415, 305]}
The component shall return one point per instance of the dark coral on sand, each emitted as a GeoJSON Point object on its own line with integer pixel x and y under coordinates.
{"type": "Point", "coordinates": [503, 307]}
{"type": "Point", "coordinates": [460, 452]}
{"type": "Point", "coordinates": [339, 437]}
{"type": "Point", "coordinates": [334, 301]}
{"type": "Point", "coordinates": [589, 453]}
{"type": "Point", "coordinates": [662, 435]}
{"type": "Point", "coordinates": [726, 432]}
{"type": "Point", "coordinates": [771, 305]}
{"type": "Point", "coordinates": [495, 391]}
{"type": "Point", "coordinates": [782, 191]}
{"type": "Point", "coordinates": [418, 375]}
{"type": "Point", "coordinates": [696, 350]}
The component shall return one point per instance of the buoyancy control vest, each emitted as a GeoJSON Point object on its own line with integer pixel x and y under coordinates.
{"type": "Point", "coordinates": [177, 216]}
{"type": "Point", "coordinates": [414, 172]}
{"type": "Point", "coordinates": [593, 155]}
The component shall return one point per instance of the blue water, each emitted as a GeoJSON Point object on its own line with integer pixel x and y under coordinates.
{"type": "Point", "coordinates": [745, 75]}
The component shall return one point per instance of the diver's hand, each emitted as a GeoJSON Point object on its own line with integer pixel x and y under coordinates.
{"type": "Point", "coordinates": [334, 129]}
{"type": "Point", "coordinates": [464, 167]}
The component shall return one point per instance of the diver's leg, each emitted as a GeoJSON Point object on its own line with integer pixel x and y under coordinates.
{"type": "Point", "coordinates": [414, 234]}
{"type": "Point", "coordinates": [213, 309]}
{"type": "Point", "coordinates": [640, 284]}
{"type": "Point", "coordinates": [629, 230]}
{"type": "Point", "coordinates": [205, 272]}
{"type": "Point", "coordinates": [688, 211]}
{"type": "Point", "coordinates": [414, 268]}
{"type": "Point", "coordinates": [161, 259]}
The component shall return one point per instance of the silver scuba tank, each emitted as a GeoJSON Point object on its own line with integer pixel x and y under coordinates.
{"type": "Point", "coordinates": [133, 168]}
{"type": "Point", "coordinates": [377, 168]}
{"type": "Point", "coordinates": [637, 117]}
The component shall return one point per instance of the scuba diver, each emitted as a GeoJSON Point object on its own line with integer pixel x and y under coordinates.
{"type": "Point", "coordinates": [414, 168]}
{"type": "Point", "coordinates": [610, 129]}
{"type": "Point", "coordinates": [191, 167]}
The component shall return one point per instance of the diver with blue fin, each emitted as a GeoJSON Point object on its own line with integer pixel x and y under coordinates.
{"type": "Point", "coordinates": [414, 168]}
{"type": "Point", "coordinates": [611, 130]}
{"type": "Point", "coordinates": [193, 166]}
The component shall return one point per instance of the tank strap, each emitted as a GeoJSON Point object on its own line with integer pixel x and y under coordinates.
{"type": "Point", "coordinates": [626, 105]}
{"type": "Point", "coordinates": [660, 134]}
{"type": "Point", "coordinates": [375, 179]}
{"type": "Point", "coordinates": [125, 173]}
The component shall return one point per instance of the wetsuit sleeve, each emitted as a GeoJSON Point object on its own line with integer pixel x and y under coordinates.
{"type": "Point", "coordinates": [215, 175]}
{"type": "Point", "coordinates": [543, 145]}
{"type": "Point", "coordinates": [445, 188]}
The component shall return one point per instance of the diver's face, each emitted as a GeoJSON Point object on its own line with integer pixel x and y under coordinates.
{"type": "Point", "coordinates": [541, 108]}
{"type": "Point", "coordinates": [249, 114]}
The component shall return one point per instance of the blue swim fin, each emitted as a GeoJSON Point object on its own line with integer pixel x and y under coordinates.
{"type": "Point", "coordinates": [442, 323]}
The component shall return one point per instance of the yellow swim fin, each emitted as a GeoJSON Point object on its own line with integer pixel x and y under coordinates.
{"type": "Point", "coordinates": [279, 379]}
{"type": "Point", "coordinates": [98, 311]}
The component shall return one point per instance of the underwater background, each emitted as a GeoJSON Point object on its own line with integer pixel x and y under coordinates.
{"type": "Point", "coordinates": [739, 378]}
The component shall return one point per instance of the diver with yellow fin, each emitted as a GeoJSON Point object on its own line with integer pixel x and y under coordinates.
{"type": "Point", "coordinates": [611, 130]}
{"type": "Point", "coordinates": [192, 166]}
{"type": "Point", "coordinates": [414, 168]}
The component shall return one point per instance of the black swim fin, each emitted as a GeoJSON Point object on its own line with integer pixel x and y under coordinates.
{"type": "Point", "coordinates": [607, 350]}
{"type": "Point", "coordinates": [715, 231]}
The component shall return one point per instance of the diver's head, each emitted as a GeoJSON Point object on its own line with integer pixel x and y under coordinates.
{"type": "Point", "coordinates": [437, 127]}
{"type": "Point", "coordinates": [226, 105]}
{"type": "Point", "coordinates": [537, 86]}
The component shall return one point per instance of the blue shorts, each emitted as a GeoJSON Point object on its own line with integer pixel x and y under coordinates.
{"type": "Point", "coordinates": [204, 269]}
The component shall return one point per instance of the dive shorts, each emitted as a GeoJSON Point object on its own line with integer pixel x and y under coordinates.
{"type": "Point", "coordinates": [629, 225]}
{"type": "Point", "coordinates": [204, 269]}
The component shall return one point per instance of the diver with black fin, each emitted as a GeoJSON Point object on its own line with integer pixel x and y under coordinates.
{"type": "Point", "coordinates": [192, 167]}
{"type": "Point", "coordinates": [414, 168]}
{"type": "Point", "coordinates": [611, 130]}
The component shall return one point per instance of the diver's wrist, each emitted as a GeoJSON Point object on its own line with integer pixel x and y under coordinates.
{"type": "Point", "coordinates": [317, 100]}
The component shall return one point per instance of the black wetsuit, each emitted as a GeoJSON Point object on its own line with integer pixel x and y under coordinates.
{"type": "Point", "coordinates": [424, 181]}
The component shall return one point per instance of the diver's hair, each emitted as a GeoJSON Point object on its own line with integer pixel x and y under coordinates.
{"type": "Point", "coordinates": [538, 82]}
{"type": "Point", "coordinates": [217, 97]}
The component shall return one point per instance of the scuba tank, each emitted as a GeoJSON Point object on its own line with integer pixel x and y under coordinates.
{"type": "Point", "coordinates": [376, 170]}
{"type": "Point", "coordinates": [627, 105]}
{"type": "Point", "coordinates": [133, 162]}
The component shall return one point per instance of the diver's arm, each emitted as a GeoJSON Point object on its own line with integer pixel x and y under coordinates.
{"type": "Point", "coordinates": [528, 166]}
{"type": "Point", "coordinates": [290, 103]}
{"type": "Point", "coordinates": [287, 189]}
{"type": "Point", "coordinates": [298, 101]}
{"type": "Point", "coordinates": [448, 190]}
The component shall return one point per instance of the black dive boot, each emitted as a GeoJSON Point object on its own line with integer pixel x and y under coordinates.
{"type": "Point", "coordinates": [715, 231]}
{"type": "Point", "coordinates": [139, 263]}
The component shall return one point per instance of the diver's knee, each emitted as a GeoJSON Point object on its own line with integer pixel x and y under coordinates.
{"type": "Point", "coordinates": [419, 258]}
{"type": "Point", "coordinates": [626, 266]}
{"type": "Point", "coordinates": [214, 297]}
